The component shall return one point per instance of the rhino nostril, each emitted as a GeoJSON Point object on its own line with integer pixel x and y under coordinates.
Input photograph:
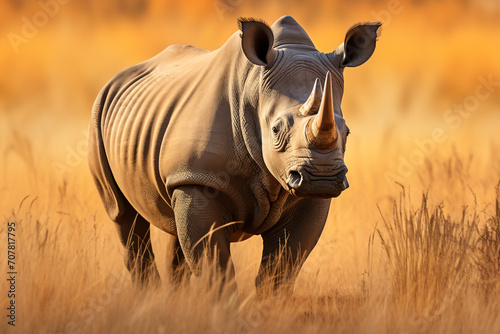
{"type": "Point", "coordinates": [345, 184]}
{"type": "Point", "coordinates": [294, 179]}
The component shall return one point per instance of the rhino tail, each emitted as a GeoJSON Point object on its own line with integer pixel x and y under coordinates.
{"type": "Point", "coordinates": [111, 195]}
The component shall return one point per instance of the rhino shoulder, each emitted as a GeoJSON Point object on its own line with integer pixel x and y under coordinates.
{"type": "Point", "coordinates": [176, 51]}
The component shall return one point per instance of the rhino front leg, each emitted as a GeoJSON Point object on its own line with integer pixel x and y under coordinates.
{"type": "Point", "coordinates": [198, 219]}
{"type": "Point", "coordinates": [288, 244]}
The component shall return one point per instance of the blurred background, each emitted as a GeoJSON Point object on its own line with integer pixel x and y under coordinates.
{"type": "Point", "coordinates": [55, 56]}
{"type": "Point", "coordinates": [428, 96]}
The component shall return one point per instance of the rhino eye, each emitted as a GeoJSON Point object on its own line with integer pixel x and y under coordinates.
{"type": "Point", "coordinates": [345, 141]}
{"type": "Point", "coordinates": [279, 130]}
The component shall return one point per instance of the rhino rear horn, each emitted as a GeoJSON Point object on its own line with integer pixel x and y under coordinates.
{"type": "Point", "coordinates": [313, 101]}
{"type": "Point", "coordinates": [321, 130]}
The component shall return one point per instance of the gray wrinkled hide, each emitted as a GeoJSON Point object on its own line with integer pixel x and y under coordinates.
{"type": "Point", "coordinates": [181, 141]}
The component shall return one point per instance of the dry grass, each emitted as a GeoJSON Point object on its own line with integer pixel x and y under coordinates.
{"type": "Point", "coordinates": [428, 270]}
{"type": "Point", "coordinates": [428, 253]}
{"type": "Point", "coordinates": [488, 255]}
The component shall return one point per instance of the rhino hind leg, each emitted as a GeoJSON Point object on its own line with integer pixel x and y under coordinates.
{"type": "Point", "coordinates": [198, 219]}
{"type": "Point", "coordinates": [134, 232]}
{"type": "Point", "coordinates": [178, 263]}
{"type": "Point", "coordinates": [288, 244]}
{"type": "Point", "coordinates": [132, 227]}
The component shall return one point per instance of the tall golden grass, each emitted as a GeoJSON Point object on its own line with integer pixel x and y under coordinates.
{"type": "Point", "coordinates": [420, 267]}
{"type": "Point", "coordinates": [421, 256]}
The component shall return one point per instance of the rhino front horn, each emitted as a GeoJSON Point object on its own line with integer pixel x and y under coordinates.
{"type": "Point", "coordinates": [321, 130]}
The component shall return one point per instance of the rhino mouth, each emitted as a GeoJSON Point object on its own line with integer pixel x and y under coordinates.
{"type": "Point", "coordinates": [306, 184]}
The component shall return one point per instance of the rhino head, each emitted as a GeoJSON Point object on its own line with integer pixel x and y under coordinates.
{"type": "Point", "coordinates": [303, 131]}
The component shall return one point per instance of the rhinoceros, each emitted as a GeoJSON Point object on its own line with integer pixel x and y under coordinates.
{"type": "Point", "coordinates": [213, 147]}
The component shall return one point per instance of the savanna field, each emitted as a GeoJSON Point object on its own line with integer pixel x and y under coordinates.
{"type": "Point", "coordinates": [413, 246]}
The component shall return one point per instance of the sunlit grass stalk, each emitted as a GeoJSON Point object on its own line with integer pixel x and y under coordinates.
{"type": "Point", "coordinates": [428, 253]}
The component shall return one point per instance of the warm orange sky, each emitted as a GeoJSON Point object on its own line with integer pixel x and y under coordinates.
{"type": "Point", "coordinates": [432, 50]}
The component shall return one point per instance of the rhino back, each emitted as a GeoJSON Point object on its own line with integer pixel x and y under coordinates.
{"type": "Point", "coordinates": [172, 120]}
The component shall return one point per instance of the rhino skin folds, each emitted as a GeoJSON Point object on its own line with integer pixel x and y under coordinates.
{"type": "Point", "coordinates": [216, 146]}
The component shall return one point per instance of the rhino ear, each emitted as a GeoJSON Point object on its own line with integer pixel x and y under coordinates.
{"type": "Point", "coordinates": [359, 44]}
{"type": "Point", "coordinates": [257, 41]}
